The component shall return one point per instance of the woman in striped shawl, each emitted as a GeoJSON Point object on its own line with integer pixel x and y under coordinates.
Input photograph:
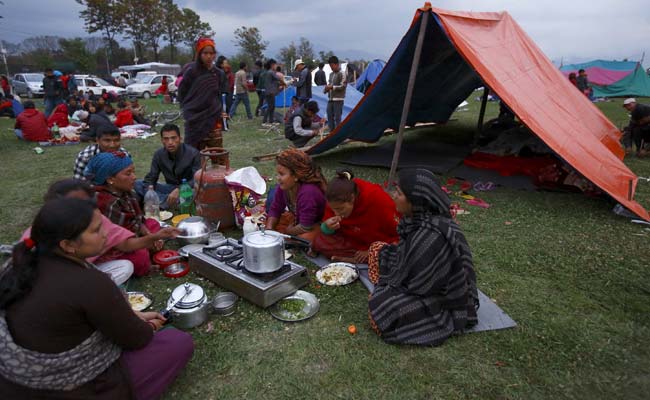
{"type": "Point", "coordinates": [425, 286]}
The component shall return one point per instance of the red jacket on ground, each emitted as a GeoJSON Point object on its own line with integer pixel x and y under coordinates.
{"type": "Point", "coordinates": [59, 117]}
{"type": "Point", "coordinates": [124, 117]}
{"type": "Point", "coordinates": [34, 125]}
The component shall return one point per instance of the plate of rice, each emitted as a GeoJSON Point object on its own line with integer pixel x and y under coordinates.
{"type": "Point", "coordinates": [337, 274]}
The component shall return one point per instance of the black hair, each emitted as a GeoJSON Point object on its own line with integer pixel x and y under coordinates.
{"type": "Point", "coordinates": [333, 60]}
{"type": "Point", "coordinates": [278, 68]}
{"type": "Point", "coordinates": [312, 106]}
{"type": "Point", "coordinates": [267, 65]}
{"type": "Point", "coordinates": [242, 64]}
{"type": "Point", "coordinates": [220, 61]}
{"type": "Point", "coordinates": [581, 70]}
{"type": "Point", "coordinates": [342, 188]}
{"type": "Point", "coordinates": [170, 127]}
{"type": "Point", "coordinates": [72, 97]}
{"type": "Point", "coordinates": [272, 61]}
{"type": "Point", "coordinates": [61, 188]}
{"type": "Point", "coordinates": [321, 65]}
{"type": "Point", "coordinates": [295, 98]}
{"type": "Point", "coordinates": [258, 63]}
{"type": "Point", "coordinates": [108, 131]}
{"type": "Point", "coordinates": [29, 104]}
{"type": "Point", "coordinates": [57, 220]}
{"type": "Point", "coordinates": [48, 69]}
{"type": "Point", "coordinates": [121, 104]}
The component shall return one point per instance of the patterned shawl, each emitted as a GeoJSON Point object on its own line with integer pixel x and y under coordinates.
{"type": "Point", "coordinates": [60, 371]}
{"type": "Point", "coordinates": [427, 285]}
{"type": "Point", "coordinates": [199, 97]}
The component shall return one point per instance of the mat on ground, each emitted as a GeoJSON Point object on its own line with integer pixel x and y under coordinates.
{"type": "Point", "coordinates": [490, 316]}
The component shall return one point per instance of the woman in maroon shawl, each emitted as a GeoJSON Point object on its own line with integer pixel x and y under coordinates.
{"type": "Point", "coordinates": [198, 94]}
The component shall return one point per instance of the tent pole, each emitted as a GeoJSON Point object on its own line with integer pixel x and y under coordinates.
{"type": "Point", "coordinates": [409, 94]}
{"type": "Point", "coordinates": [481, 114]}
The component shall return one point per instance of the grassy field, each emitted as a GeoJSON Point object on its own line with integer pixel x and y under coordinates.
{"type": "Point", "coordinates": [571, 273]}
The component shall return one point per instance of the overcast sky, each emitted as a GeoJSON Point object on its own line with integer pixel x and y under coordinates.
{"type": "Point", "coordinates": [574, 30]}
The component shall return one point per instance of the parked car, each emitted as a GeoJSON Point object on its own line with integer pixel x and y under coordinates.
{"type": "Point", "coordinates": [30, 84]}
{"type": "Point", "coordinates": [149, 84]}
{"type": "Point", "coordinates": [89, 82]}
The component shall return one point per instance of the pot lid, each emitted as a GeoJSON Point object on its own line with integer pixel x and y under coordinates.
{"type": "Point", "coordinates": [262, 239]}
{"type": "Point", "coordinates": [195, 298]}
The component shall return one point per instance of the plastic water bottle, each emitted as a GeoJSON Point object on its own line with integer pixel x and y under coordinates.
{"type": "Point", "coordinates": [185, 198]}
{"type": "Point", "coordinates": [55, 131]}
{"type": "Point", "coordinates": [151, 204]}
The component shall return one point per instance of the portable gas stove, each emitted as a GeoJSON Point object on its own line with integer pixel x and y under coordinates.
{"type": "Point", "coordinates": [223, 264]}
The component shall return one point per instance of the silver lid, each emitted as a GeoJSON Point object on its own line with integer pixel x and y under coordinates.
{"type": "Point", "coordinates": [262, 239]}
{"type": "Point", "coordinates": [194, 299]}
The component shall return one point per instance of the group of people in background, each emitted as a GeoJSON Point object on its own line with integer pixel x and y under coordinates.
{"type": "Point", "coordinates": [231, 89]}
{"type": "Point", "coordinates": [581, 82]}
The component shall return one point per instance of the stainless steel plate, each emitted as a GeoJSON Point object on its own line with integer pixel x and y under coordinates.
{"type": "Point", "coordinates": [286, 309]}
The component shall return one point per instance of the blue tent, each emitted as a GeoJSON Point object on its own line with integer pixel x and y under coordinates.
{"type": "Point", "coordinates": [370, 74]}
{"type": "Point", "coordinates": [352, 97]}
{"type": "Point", "coordinates": [283, 99]}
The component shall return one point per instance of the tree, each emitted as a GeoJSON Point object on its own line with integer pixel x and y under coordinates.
{"type": "Point", "coordinates": [136, 21]}
{"type": "Point", "coordinates": [288, 55]}
{"type": "Point", "coordinates": [324, 56]}
{"type": "Point", "coordinates": [103, 16]}
{"type": "Point", "coordinates": [94, 44]}
{"type": "Point", "coordinates": [305, 50]}
{"type": "Point", "coordinates": [74, 50]}
{"type": "Point", "coordinates": [173, 26]}
{"type": "Point", "coordinates": [193, 28]}
{"type": "Point", "coordinates": [43, 44]}
{"type": "Point", "coordinates": [249, 40]}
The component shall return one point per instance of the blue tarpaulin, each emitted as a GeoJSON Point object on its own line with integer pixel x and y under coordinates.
{"type": "Point", "coordinates": [352, 97]}
{"type": "Point", "coordinates": [371, 73]}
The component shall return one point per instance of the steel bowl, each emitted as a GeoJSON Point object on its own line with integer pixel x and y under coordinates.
{"type": "Point", "coordinates": [195, 230]}
{"type": "Point", "coordinates": [224, 303]}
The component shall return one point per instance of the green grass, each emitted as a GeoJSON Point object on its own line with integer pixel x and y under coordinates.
{"type": "Point", "coordinates": [570, 272]}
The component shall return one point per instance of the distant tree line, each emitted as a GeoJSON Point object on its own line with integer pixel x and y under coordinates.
{"type": "Point", "coordinates": [159, 30]}
{"type": "Point", "coordinates": [147, 23]}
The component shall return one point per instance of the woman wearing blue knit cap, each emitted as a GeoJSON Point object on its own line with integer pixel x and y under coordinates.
{"type": "Point", "coordinates": [113, 177]}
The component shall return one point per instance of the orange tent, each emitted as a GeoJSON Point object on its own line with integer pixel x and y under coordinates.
{"type": "Point", "coordinates": [495, 48]}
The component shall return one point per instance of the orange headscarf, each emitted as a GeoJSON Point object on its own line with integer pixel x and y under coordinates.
{"type": "Point", "coordinates": [203, 43]}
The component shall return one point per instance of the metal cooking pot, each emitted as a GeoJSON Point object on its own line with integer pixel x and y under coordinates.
{"type": "Point", "coordinates": [263, 251]}
{"type": "Point", "coordinates": [192, 310]}
{"type": "Point", "coordinates": [195, 230]}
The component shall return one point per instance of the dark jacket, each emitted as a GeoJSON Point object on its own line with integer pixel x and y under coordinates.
{"type": "Point", "coordinates": [52, 86]}
{"type": "Point", "coordinates": [305, 123]}
{"type": "Point", "coordinates": [99, 121]}
{"type": "Point", "coordinates": [272, 83]}
{"type": "Point", "coordinates": [183, 166]}
{"type": "Point", "coordinates": [320, 78]}
{"type": "Point", "coordinates": [303, 86]}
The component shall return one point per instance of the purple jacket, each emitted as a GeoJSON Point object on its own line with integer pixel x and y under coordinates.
{"type": "Point", "coordinates": [309, 207]}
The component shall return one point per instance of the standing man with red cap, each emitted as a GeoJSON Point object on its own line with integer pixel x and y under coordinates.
{"type": "Point", "coordinates": [198, 94]}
